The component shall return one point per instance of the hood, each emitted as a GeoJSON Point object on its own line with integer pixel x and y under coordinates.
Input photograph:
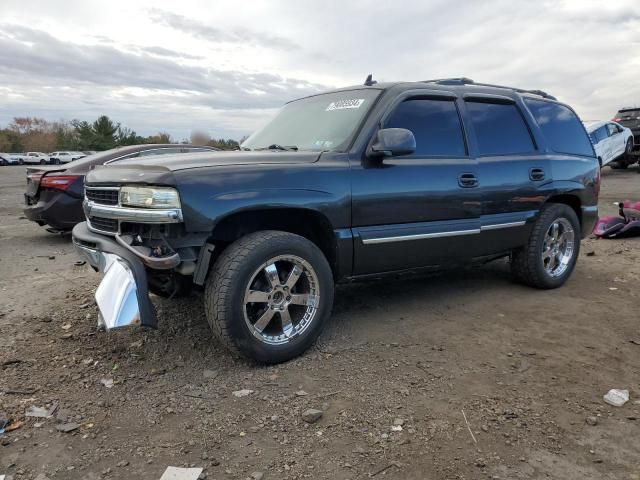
{"type": "Point", "coordinates": [159, 169]}
{"type": "Point", "coordinates": [214, 159]}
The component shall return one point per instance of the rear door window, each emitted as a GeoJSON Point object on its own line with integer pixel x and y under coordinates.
{"type": "Point", "coordinates": [500, 128]}
{"type": "Point", "coordinates": [599, 134]}
{"type": "Point", "coordinates": [561, 127]}
{"type": "Point", "coordinates": [435, 123]}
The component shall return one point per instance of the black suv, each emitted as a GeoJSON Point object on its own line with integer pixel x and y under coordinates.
{"type": "Point", "coordinates": [630, 118]}
{"type": "Point", "coordinates": [354, 183]}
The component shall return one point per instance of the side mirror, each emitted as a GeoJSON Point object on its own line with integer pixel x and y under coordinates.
{"type": "Point", "coordinates": [392, 142]}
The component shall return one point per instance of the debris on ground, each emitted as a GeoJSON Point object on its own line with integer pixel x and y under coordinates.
{"type": "Point", "coordinates": [176, 473]}
{"type": "Point", "coordinates": [257, 476]}
{"type": "Point", "coordinates": [40, 412]}
{"type": "Point", "coordinates": [107, 382]}
{"type": "Point", "coordinates": [4, 420]}
{"type": "Point", "coordinates": [68, 427]}
{"type": "Point", "coordinates": [242, 393]}
{"type": "Point", "coordinates": [13, 426]}
{"type": "Point", "coordinates": [301, 393]}
{"type": "Point", "coordinates": [311, 415]}
{"type": "Point", "coordinates": [593, 421]}
{"type": "Point", "coordinates": [616, 398]}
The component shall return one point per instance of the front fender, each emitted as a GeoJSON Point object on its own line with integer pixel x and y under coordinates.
{"type": "Point", "coordinates": [208, 195]}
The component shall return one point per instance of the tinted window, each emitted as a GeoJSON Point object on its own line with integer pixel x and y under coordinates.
{"type": "Point", "coordinates": [500, 128]}
{"type": "Point", "coordinates": [159, 151]}
{"type": "Point", "coordinates": [191, 149]}
{"type": "Point", "coordinates": [613, 129]}
{"type": "Point", "coordinates": [561, 127]}
{"type": "Point", "coordinates": [434, 123]}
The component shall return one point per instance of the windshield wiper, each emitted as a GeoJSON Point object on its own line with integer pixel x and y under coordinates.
{"type": "Point", "coordinates": [275, 146]}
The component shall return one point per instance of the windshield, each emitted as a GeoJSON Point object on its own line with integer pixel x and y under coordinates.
{"type": "Point", "coordinates": [322, 122]}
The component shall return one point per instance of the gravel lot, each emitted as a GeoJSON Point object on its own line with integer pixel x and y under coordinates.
{"type": "Point", "coordinates": [400, 366]}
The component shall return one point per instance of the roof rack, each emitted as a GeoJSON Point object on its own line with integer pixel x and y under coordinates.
{"type": "Point", "coordinates": [468, 81]}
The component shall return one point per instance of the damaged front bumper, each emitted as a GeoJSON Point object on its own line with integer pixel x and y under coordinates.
{"type": "Point", "coordinates": [122, 296]}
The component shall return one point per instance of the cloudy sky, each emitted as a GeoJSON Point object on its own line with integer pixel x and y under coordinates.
{"type": "Point", "coordinates": [225, 66]}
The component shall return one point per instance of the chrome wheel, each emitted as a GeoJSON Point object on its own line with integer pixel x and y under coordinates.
{"type": "Point", "coordinates": [281, 299]}
{"type": "Point", "coordinates": [558, 248]}
{"type": "Point", "coordinates": [629, 147]}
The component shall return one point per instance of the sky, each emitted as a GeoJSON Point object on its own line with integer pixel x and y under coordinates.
{"type": "Point", "coordinates": [225, 67]}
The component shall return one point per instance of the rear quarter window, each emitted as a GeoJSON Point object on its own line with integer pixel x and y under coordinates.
{"type": "Point", "coordinates": [561, 127]}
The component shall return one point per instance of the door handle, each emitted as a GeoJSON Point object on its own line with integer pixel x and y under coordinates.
{"type": "Point", "coordinates": [467, 180]}
{"type": "Point", "coordinates": [536, 174]}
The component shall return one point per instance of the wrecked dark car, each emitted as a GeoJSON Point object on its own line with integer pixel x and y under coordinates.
{"type": "Point", "coordinates": [54, 194]}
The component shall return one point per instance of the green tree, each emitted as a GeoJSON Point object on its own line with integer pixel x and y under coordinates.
{"type": "Point", "coordinates": [84, 135]}
{"type": "Point", "coordinates": [104, 133]}
{"type": "Point", "coordinates": [160, 137]}
{"type": "Point", "coordinates": [126, 136]}
{"type": "Point", "coordinates": [9, 141]}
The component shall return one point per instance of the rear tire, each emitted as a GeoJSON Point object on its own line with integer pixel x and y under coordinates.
{"type": "Point", "coordinates": [547, 262]}
{"type": "Point", "coordinates": [254, 304]}
{"type": "Point", "coordinates": [627, 151]}
{"type": "Point", "coordinates": [43, 162]}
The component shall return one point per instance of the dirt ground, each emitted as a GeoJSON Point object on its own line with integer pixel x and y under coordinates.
{"type": "Point", "coordinates": [527, 368]}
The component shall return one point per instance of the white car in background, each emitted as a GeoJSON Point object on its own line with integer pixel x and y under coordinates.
{"type": "Point", "coordinates": [57, 158]}
{"type": "Point", "coordinates": [612, 142]}
{"type": "Point", "coordinates": [8, 159]}
{"type": "Point", "coordinates": [35, 158]}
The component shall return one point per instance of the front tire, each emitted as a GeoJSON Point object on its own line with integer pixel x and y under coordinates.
{"type": "Point", "coordinates": [551, 253]}
{"type": "Point", "coordinates": [269, 295]}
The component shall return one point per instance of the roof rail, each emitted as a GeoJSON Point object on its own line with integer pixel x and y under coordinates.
{"type": "Point", "coordinates": [468, 81]}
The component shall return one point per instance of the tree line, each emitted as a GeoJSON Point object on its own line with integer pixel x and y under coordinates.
{"type": "Point", "coordinates": [31, 134]}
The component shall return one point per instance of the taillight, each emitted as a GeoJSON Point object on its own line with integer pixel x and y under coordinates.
{"type": "Point", "coordinates": [616, 119]}
{"type": "Point", "coordinates": [58, 182]}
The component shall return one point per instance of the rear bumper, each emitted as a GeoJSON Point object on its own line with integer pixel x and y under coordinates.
{"type": "Point", "coordinates": [123, 295]}
{"type": "Point", "coordinates": [589, 219]}
{"type": "Point", "coordinates": [58, 210]}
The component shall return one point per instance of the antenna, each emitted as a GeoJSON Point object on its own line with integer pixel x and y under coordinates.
{"type": "Point", "coordinates": [369, 81]}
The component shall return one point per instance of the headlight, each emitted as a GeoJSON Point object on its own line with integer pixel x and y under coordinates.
{"type": "Point", "coordinates": [149, 197]}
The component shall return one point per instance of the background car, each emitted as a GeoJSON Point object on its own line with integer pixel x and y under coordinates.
{"type": "Point", "coordinates": [35, 158]}
{"type": "Point", "coordinates": [56, 158]}
{"type": "Point", "coordinates": [7, 159]}
{"type": "Point", "coordinates": [54, 195]}
{"type": "Point", "coordinates": [613, 143]}
{"type": "Point", "coordinates": [630, 118]}
{"type": "Point", "coordinates": [16, 158]}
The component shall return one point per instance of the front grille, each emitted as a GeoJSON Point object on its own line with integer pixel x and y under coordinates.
{"type": "Point", "coordinates": [104, 224]}
{"type": "Point", "coordinates": [103, 197]}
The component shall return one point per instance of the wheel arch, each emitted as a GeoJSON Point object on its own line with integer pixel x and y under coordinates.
{"type": "Point", "coordinates": [310, 224]}
{"type": "Point", "coordinates": [570, 200]}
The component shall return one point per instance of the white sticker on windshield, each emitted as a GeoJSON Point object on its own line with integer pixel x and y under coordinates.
{"type": "Point", "coordinates": [345, 104]}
